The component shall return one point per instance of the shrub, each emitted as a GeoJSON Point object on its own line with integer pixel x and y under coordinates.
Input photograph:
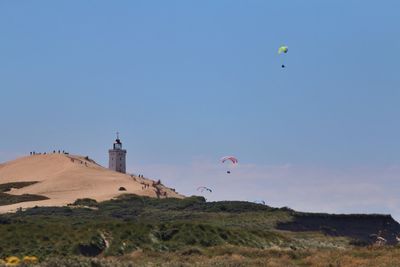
{"type": "Point", "coordinates": [85, 202]}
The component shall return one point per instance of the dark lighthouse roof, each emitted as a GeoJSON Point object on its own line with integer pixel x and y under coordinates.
{"type": "Point", "coordinates": [118, 141]}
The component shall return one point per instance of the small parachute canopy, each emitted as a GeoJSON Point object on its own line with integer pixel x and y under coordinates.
{"type": "Point", "coordinates": [229, 158]}
{"type": "Point", "coordinates": [204, 189]}
{"type": "Point", "coordinates": [283, 49]}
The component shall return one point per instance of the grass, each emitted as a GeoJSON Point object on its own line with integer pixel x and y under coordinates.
{"type": "Point", "coordinates": [8, 199]}
{"type": "Point", "coordinates": [8, 186]}
{"type": "Point", "coordinates": [170, 232]}
{"type": "Point", "coordinates": [235, 256]}
{"type": "Point", "coordinates": [132, 222]}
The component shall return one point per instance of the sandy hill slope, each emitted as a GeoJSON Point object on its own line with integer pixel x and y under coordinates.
{"type": "Point", "coordinates": [65, 178]}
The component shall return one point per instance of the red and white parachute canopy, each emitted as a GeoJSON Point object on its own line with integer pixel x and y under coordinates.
{"type": "Point", "coordinates": [229, 158]}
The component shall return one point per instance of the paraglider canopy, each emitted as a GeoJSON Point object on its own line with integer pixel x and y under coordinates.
{"type": "Point", "coordinates": [283, 49]}
{"type": "Point", "coordinates": [229, 158]}
{"type": "Point", "coordinates": [203, 188]}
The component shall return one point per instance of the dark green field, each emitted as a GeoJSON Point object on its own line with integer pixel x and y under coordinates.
{"type": "Point", "coordinates": [188, 232]}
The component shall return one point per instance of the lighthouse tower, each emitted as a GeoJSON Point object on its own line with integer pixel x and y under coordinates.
{"type": "Point", "coordinates": [117, 157]}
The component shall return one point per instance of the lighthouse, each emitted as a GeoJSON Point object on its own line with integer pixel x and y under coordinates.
{"type": "Point", "coordinates": [117, 157]}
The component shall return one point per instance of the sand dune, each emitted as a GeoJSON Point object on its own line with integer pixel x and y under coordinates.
{"type": "Point", "coordinates": [65, 178]}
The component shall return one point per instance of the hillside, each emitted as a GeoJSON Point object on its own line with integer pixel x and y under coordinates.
{"type": "Point", "coordinates": [60, 179]}
{"type": "Point", "coordinates": [192, 232]}
{"type": "Point", "coordinates": [74, 214]}
{"type": "Point", "coordinates": [360, 227]}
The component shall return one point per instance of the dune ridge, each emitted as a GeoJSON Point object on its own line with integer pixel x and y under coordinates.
{"type": "Point", "coordinates": [64, 178]}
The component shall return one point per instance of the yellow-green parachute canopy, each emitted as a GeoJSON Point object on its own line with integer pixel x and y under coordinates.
{"type": "Point", "coordinates": [283, 49]}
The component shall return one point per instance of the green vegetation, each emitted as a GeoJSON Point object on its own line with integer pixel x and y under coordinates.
{"type": "Point", "coordinates": [8, 186]}
{"type": "Point", "coordinates": [164, 232]}
{"type": "Point", "coordinates": [234, 256]}
{"type": "Point", "coordinates": [123, 225]}
{"type": "Point", "coordinates": [8, 199]}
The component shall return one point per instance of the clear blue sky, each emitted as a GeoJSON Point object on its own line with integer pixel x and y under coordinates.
{"type": "Point", "coordinates": [190, 81]}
